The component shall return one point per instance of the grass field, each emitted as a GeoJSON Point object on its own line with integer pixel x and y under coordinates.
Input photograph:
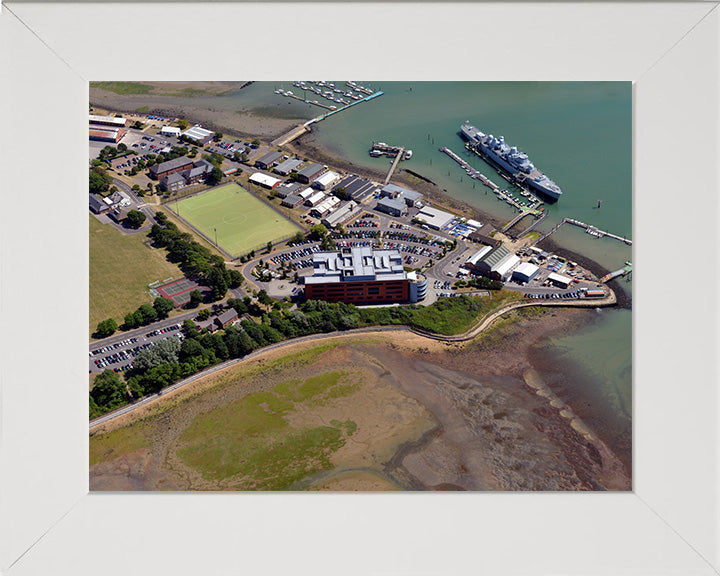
{"type": "Point", "coordinates": [241, 221]}
{"type": "Point", "coordinates": [122, 87]}
{"type": "Point", "coordinates": [121, 267]}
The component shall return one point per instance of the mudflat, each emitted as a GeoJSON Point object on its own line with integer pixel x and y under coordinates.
{"type": "Point", "coordinates": [385, 411]}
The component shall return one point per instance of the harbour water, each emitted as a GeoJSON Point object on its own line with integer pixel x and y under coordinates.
{"type": "Point", "coordinates": [578, 133]}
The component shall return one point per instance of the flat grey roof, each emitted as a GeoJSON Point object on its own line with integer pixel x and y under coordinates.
{"type": "Point", "coordinates": [269, 158]}
{"type": "Point", "coordinates": [359, 263]}
{"type": "Point", "coordinates": [311, 169]}
{"type": "Point", "coordinates": [393, 203]}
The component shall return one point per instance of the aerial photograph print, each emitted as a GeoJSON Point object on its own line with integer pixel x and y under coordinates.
{"type": "Point", "coordinates": [360, 286]}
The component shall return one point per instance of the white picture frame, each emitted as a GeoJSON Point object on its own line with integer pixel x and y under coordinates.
{"type": "Point", "coordinates": [50, 524]}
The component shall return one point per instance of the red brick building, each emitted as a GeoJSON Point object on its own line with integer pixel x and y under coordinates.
{"type": "Point", "coordinates": [358, 275]}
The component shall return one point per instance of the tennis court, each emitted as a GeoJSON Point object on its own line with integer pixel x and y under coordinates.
{"type": "Point", "coordinates": [237, 219]}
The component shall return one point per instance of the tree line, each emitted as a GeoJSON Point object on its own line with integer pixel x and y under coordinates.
{"type": "Point", "coordinates": [170, 360]}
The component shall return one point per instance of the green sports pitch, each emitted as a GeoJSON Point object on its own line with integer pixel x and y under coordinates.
{"type": "Point", "coordinates": [240, 221]}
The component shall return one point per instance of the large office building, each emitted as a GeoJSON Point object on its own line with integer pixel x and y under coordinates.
{"type": "Point", "coordinates": [361, 275]}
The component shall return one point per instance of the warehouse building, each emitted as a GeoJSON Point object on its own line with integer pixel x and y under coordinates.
{"type": "Point", "coordinates": [290, 165]}
{"type": "Point", "coordinates": [326, 180]}
{"type": "Point", "coordinates": [265, 181]}
{"type": "Point", "coordinates": [496, 263]}
{"type": "Point", "coordinates": [198, 134]}
{"type": "Point", "coordinates": [311, 172]}
{"type": "Point", "coordinates": [391, 206]}
{"type": "Point", "coordinates": [410, 197]}
{"type": "Point", "coordinates": [559, 280]}
{"type": "Point", "coordinates": [109, 121]}
{"type": "Point", "coordinates": [169, 131]}
{"type": "Point", "coordinates": [525, 272]}
{"type": "Point", "coordinates": [292, 201]}
{"type": "Point", "coordinates": [341, 215]}
{"type": "Point", "coordinates": [157, 171]}
{"type": "Point", "coordinates": [268, 160]}
{"type": "Point", "coordinates": [434, 218]}
{"type": "Point", "coordinates": [357, 189]}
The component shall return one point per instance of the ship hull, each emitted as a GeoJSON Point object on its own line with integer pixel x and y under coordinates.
{"type": "Point", "coordinates": [476, 140]}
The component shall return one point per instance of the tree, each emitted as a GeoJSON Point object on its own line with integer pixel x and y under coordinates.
{"type": "Point", "coordinates": [162, 352]}
{"type": "Point", "coordinates": [161, 218]}
{"type": "Point", "coordinates": [163, 306]}
{"type": "Point", "coordinates": [196, 299]}
{"type": "Point", "coordinates": [340, 229]}
{"type": "Point", "coordinates": [299, 238]}
{"type": "Point", "coordinates": [183, 124]}
{"type": "Point", "coordinates": [269, 246]}
{"type": "Point", "coordinates": [122, 147]}
{"type": "Point", "coordinates": [108, 390]}
{"type": "Point", "coordinates": [204, 314]}
{"type": "Point", "coordinates": [147, 313]}
{"type": "Point", "coordinates": [263, 298]}
{"type": "Point", "coordinates": [214, 177]}
{"type": "Point", "coordinates": [106, 328]}
{"type": "Point", "coordinates": [318, 231]}
{"type": "Point", "coordinates": [100, 180]}
{"type": "Point", "coordinates": [135, 218]}
{"type": "Point", "coordinates": [341, 193]}
{"type": "Point", "coordinates": [256, 141]}
{"type": "Point", "coordinates": [237, 156]}
{"type": "Point", "coordinates": [217, 137]}
{"type": "Point", "coordinates": [131, 321]}
{"type": "Point", "coordinates": [235, 278]}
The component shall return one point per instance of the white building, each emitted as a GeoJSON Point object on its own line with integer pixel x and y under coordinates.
{"type": "Point", "coordinates": [315, 199]}
{"type": "Point", "coordinates": [525, 272]}
{"type": "Point", "coordinates": [264, 180]}
{"type": "Point", "coordinates": [434, 218]}
{"type": "Point", "coordinates": [326, 180]}
{"type": "Point", "coordinates": [559, 280]}
{"type": "Point", "coordinates": [169, 131]}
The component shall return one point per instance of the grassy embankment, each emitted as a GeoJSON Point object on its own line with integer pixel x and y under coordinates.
{"type": "Point", "coordinates": [446, 316]}
{"type": "Point", "coordinates": [121, 267]}
{"type": "Point", "coordinates": [123, 88]}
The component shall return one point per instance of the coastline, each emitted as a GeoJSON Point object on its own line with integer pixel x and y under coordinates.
{"type": "Point", "coordinates": [492, 427]}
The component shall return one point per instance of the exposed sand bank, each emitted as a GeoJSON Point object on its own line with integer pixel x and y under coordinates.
{"type": "Point", "coordinates": [429, 415]}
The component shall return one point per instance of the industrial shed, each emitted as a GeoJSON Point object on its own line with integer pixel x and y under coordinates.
{"type": "Point", "coordinates": [525, 272]}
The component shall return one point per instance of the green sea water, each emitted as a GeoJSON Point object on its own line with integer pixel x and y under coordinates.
{"type": "Point", "coordinates": [578, 133]}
